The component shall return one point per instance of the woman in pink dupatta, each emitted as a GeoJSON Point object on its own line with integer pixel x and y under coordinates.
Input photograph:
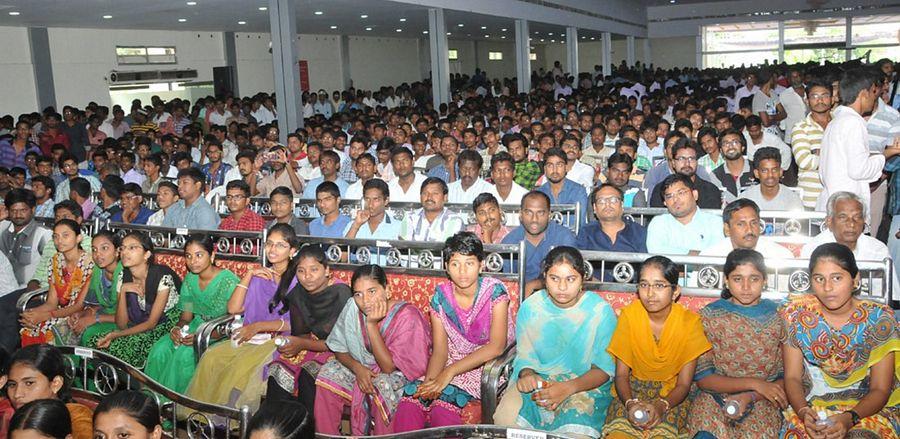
{"type": "Point", "coordinates": [379, 346]}
{"type": "Point", "coordinates": [470, 325]}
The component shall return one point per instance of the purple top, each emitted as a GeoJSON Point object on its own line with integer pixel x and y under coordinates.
{"type": "Point", "coordinates": [256, 304]}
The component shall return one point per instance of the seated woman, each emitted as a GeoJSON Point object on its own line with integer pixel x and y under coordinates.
{"type": "Point", "coordinates": [561, 363]}
{"type": "Point", "coordinates": [656, 344]}
{"type": "Point", "coordinates": [39, 372]}
{"type": "Point", "coordinates": [204, 296]}
{"type": "Point", "coordinates": [315, 301]}
{"type": "Point", "coordinates": [848, 348]}
{"type": "Point", "coordinates": [744, 368]}
{"type": "Point", "coordinates": [233, 373]}
{"type": "Point", "coordinates": [42, 418]}
{"type": "Point", "coordinates": [489, 219]}
{"type": "Point", "coordinates": [127, 414]}
{"type": "Point", "coordinates": [101, 302]}
{"type": "Point", "coordinates": [470, 326]}
{"type": "Point", "coordinates": [145, 309]}
{"type": "Point", "coordinates": [379, 345]}
{"type": "Point", "coordinates": [70, 274]}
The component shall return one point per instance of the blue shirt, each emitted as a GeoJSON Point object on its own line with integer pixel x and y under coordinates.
{"type": "Point", "coordinates": [571, 193]}
{"type": "Point", "coordinates": [633, 238]}
{"type": "Point", "coordinates": [555, 235]}
{"type": "Point", "coordinates": [666, 235]}
{"type": "Point", "coordinates": [141, 218]}
{"type": "Point", "coordinates": [199, 215]}
{"type": "Point", "coordinates": [317, 227]}
{"type": "Point", "coordinates": [442, 172]}
{"type": "Point", "coordinates": [310, 191]}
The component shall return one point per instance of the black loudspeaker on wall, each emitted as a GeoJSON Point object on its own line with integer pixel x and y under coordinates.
{"type": "Point", "coordinates": [223, 81]}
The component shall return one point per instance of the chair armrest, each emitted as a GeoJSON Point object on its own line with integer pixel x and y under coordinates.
{"type": "Point", "coordinates": [494, 379]}
{"type": "Point", "coordinates": [30, 299]}
{"type": "Point", "coordinates": [219, 326]}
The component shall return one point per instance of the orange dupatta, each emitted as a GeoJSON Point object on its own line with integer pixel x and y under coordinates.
{"type": "Point", "coordinates": [682, 341]}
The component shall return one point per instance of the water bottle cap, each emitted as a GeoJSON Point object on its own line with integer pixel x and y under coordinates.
{"type": "Point", "coordinates": [185, 328]}
{"type": "Point", "coordinates": [822, 415]}
{"type": "Point", "coordinates": [731, 409]}
{"type": "Point", "coordinates": [639, 414]}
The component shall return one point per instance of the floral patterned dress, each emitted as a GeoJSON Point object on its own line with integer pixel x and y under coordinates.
{"type": "Point", "coordinates": [66, 285]}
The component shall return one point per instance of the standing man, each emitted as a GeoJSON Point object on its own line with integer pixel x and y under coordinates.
{"type": "Point", "coordinates": [793, 99]}
{"type": "Point", "coordinates": [807, 141]}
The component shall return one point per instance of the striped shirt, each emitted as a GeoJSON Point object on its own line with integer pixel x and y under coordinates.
{"type": "Point", "coordinates": [807, 141]}
{"type": "Point", "coordinates": [883, 127]}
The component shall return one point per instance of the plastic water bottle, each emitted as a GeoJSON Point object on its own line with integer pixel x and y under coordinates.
{"type": "Point", "coordinates": [823, 419]}
{"type": "Point", "coordinates": [185, 331]}
{"type": "Point", "coordinates": [236, 324]}
{"type": "Point", "coordinates": [641, 417]}
{"type": "Point", "coordinates": [280, 341]}
{"type": "Point", "coordinates": [732, 408]}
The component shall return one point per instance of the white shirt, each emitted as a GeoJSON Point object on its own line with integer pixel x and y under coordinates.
{"type": "Point", "coordinates": [219, 119]}
{"type": "Point", "coordinates": [795, 107]}
{"type": "Point", "coordinates": [867, 249]}
{"type": "Point", "coordinates": [459, 195]}
{"type": "Point", "coordinates": [844, 160]}
{"type": "Point", "coordinates": [582, 174]}
{"type": "Point", "coordinates": [263, 116]}
{"type": "Point", "coordinates": [308, 110]}
{"type": "Point", "coordinates": [515, 194]}
{"type": "Point", "coordinates": [8, 282]}
{"type": "Point", "coordinates": [229, 153]}
{"type": "Point", "coordinates": [769, 139]}
{"type": "Point", "coordinates": [355, 190]}
{"type": "Point", "coordinates": [741, 93]}
{"type": "Point", "coordinates": [411, 195]}
{"type": "Point", "coordinates": [764, 246]}
{"type": "Point", "coordinates": [421, 162]}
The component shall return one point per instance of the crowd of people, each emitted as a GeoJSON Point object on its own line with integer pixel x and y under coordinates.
{"type": "Point", "coordinates": [713, 147]}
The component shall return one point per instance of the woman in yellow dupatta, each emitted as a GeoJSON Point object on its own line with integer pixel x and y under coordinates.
{"type": "Point", "coordinates": [656, 345]}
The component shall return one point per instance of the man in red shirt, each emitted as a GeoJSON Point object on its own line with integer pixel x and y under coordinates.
{"type": "Point", "coordinates": [52, 134]}
{"type": "Point", "coordinates": [237, 198]}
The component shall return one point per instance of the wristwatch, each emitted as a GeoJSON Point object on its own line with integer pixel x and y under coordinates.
{"type": "Point", "coordinates": [854, 417]}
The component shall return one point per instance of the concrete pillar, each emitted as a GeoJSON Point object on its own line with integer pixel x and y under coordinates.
{"type": "Point", "coordinates": [606, 53]}
{"type": "Point", "coordinates": [346, 81]}
{"type": "Point", "coordinates": [440, 58]}
{"type": "Point", "coordinates": [283, 28]}
{"type": "Point", "coordinates": [780, 41]}
{"type": "Point", "coordinates": [629, 50]}
{"type": "Point", "coordinates": [39, 40]}
{"type": "Point", "coordinates": [231, 60]}
{"type": "Point", "coordinates": [648, 57]}
{"type": "Point", "coordinates": [572, 52]}
{"type": "Point", "coordinates": [523, 56]}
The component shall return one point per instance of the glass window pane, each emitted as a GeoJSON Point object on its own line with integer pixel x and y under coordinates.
{"type": "Point", "coordinates": [741, 36]}
{"type": "Point", "coordinates": [452, 54]}
{"type": "Point", "coordinates": [795, 56]}
{"type": "Point", "coordinates": [890, 52]}
{"type": "Point", "coordinates": [822, 30]}
{"type": "Point", "coordinates": [160, 50]}
{"type": "Point", "coordinates": [131, 51]}
{"type": "Point", "coordinates": [876, 29]}
{"type": "Point", "coordinates": [719, 60]}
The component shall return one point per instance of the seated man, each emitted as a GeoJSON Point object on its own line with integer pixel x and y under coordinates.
{"type": "Point", "coordinates": [684, 162]}
{"type": "Point", "coordinates": [283, 173]}
{"type": "Point", "coordinates": [329, 163]}
{"type": "Point", "coordinates": [166, 197]}
{"type": "Point", "coordinates": [469, 184]}
{"type": "Point", "coordinates": [757, 138]}
{"type": "Point", "coordinates": [364, 170]}
{"type": "Point", "coordinates": [734, 176]}
{"type": "Point", "coordinates": [618, 173]}
{"type": "Point", "coordinates": [131, 199]}
{"type": "Point", "coordinates": [372, 222]}
{"type": "Point", "coordinates": [80, 192]}
{"type": "Point", "coordinates": [612, 232]}
{"type": "Point", "coordinates": [526, 172]}
{"type": "Point", "coordinates": [505, 189]}
{"type": "Point", "coordinates": [331, 223]}
{"type": "Point", "coordinates": [433, 222]}
{"type": "Point", "coordinates": [110, 191]}
{"type": "Point", "coordinates": [741, 226]}
{"type": "Point", "coordinates": [540, 236]}
{"type": "Point", "coordinates": [407, 182]}
{"type": "Point", "coordinates": [240, 217]}
{"type": "Point", "coordinates": [449, 169]}
{"type": "Point", "coordinates": [192, 211]}
{"type": "Point", "coordinates": [685, 229]}
{"type": "Point", "coordinates": [281, 204]}
{"type": "Point", "coordinates": [69, 167]}
{"type": "Point", "coordinates": [560, 189]}
{"type": "Point", "coordinates": [770, 194]}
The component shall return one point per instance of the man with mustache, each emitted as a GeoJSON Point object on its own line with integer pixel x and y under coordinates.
{"type": "Point", "coordinates": [433, 222]}
{"type": "Point", "coordinates": [741, 225]}
{"type": "Point", "coordinates": [685, 229]}
{"type": "Point", "coordinates": [684, 162]}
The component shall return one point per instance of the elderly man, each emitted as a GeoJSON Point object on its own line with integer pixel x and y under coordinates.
{"type": "Point", "coordinates": [741, 226]}
{"type": "Point", "coordinates": [685, 229]}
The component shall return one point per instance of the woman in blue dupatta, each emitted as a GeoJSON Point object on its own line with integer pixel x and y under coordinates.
{"type": "Point", "coordinates": [564, 372]}
{"type": "Point", "coordinates": [379, 346]}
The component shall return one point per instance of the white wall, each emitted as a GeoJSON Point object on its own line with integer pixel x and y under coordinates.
{"type": "Point", "coordinates": [82, 58]}
{"type": "Point", "coordinates": [505, 68]}
{"type": "Point", "coordinates": [254, 63]}
{"type": "Point", "coordinates": [377, 61]}
{"type": "Point", "coordinates": [674, 52]}
{"type": "Point", "coordinates": [17, 90]}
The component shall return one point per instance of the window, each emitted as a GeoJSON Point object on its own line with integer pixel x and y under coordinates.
{"type": "Point", "coordinates": [736, 44]}
{"type": "Point", "coordinates": [453, 54]}
{"type": "Point", "coordinates": [877, 33]}
{"type": "Point", "coordinates": [495, 56]}
{"type": "Point", "coordinates": [134, 55]}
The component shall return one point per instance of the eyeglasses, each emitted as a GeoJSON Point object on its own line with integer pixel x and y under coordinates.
{"type": "Point", "coordinates": [686, 159]}
{"type": "Point", "coordinates": [674, 195]}
{"type": "Point", "coordinates": [656, 287]}
{"type": "Point", "coordinates": [608, 201]}
{"type": "Point", "coordinates": [235, 197]}
{"type": "Point", "coordinates": [820, 96]}
{"type": "Point", "coordinates": [731, 142]}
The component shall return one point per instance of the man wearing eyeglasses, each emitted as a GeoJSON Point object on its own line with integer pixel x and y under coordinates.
{"type": "Point", "coordinates": [685, 229]}
{"type": "Point", "coordinates": [612, 232]}
{"type": "Point", "coordinates": [684, 162]}
{"type": "Point", "coordinates": [240, 217]}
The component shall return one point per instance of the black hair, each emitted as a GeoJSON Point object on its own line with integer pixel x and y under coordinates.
{"type": "Point", "coordinates": [675, 178]}
{"type": "Point", "coordinates": [20, 171]}
{"type": "Point", "coordinates": [683, 144]}
{"type": "Point", "coordinates": [72, 225]}
{"type": "Point", "coordinates": [471, 156]}
{"type": "Point", "coordinates": [240, 185]}
{"type": "Point", "coordinates": [332, 155]}
{"type": "Point", "coordinates": [132, 188]}
{"type": "Point", "coordinates": [379, 185]}
{"type": "Point", "coordinates": [49, 417]}
{"type": "Point", "coordinates": [627, 141]}
{"type": "Point", "coordinates": [369, 157]}
{"type": "Point", "coordinates": [71, 206]}
{"type": "Point", "coordinates": [80, 186]}
{"type": "Point", "coordinates": [112, 185]}
{"type": "Point", "coordinates": [620, 158]}
{"type": "Point", "coordinates": [738, 257]}
{"type": "Point", "coordinates": [400, 150]}
{"type": "Point", "coordinates": [597, 189]}
{"type": "Point", "coordinates": [284, 286]}
{"type": "Point", "coordinates": [109, 235]}
{"type": "Point", "coordinates": [370, 271]}
{"type": "Point", "coordinates": [169, 185]}
{"type": "Point", "coordinates": [434, 180]}
{"type": "Point", "coordinates": [464, 243]}
{"type": "Point", "coordinates": [155, 159]}
{"type": "Point", "coordinates": [537, 194]}
{"type": "Point", "coordinates": [564, 254]}
{"type": "Point", "coordinates": [753, 120]}
{"type": "Point", "coordinates": [502, 156]}
{"type": "Point", "coordinates": [816, 82]}
{"type": "Point", "coordinates": [766, 153]}
{"type": "Point", "coordinates": [737, 205]}
{"type": "Point", "coordinates": [137, 405]}
{"type": "Point", "coordinates": [556, 152]}
{"type": "Point", "coordinates": [286, 420]}
{"type": "Point", "coordinates": [143, 238]}
{"type": "Point", "coordinates": [203, 240]}
{"type": "Point", "coordinates": [194, 174]}
{"type": "Point", "coordinates": [19, 195]}
{"type": "Point", "coordinates": [856, 80]}
{"type": "Point", "coordinates": [482, 199]}
{"type": "Point", "coordinates": [707, 131]}
{"type": "Point", "coordinates": [840, 254]}
{"type": "Point", "coordinates": [669, 269]}
{"type": "Point", "coordinates": [47, 360]}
